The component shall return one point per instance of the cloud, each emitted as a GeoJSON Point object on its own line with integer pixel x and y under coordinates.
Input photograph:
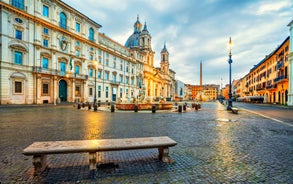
{"type": "Point", "coordinates": [198, 30]}
{"type": "Point", "coordinates": [272, 7]}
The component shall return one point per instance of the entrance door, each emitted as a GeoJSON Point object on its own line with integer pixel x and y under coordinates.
{"type": "Point", "coordinates": [63, 91]}
{"type": "Point", "coordinates": [114, 91]}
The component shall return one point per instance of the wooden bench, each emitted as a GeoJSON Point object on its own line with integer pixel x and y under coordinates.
{"type": "Point", "coordinates": [40, 150]}
{"type": "Point", "coordinates": [234, 110]}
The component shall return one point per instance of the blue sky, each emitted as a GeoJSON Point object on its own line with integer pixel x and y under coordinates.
{"type": "Point", "coordinates": [198, 30]}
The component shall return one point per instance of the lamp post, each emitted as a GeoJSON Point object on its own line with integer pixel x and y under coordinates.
{"type": "Point", "coordinates": [95, 92]}
{"type": "Point", "coordinates": [230, 85]}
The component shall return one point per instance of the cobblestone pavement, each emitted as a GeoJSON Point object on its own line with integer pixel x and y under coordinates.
{"type": "Point", "coordinates": [214, 146]}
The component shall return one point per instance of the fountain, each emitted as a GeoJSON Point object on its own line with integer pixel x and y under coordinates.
{"type": "Point", "coordinates": [143, 103]}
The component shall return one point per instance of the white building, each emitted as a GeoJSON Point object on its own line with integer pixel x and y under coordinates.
{"type": "Point", "coordinates": [52, 53]}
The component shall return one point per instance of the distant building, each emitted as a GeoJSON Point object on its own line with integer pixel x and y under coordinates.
{"type": "Point", "coordinates": [180, 91]}
{"type": "Point", "coordinates": [268, 80]}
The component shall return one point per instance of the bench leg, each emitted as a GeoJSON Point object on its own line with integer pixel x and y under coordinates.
{"type": "Point", "coordinates": [92, 161]}
{"type": "Point", "coordinates": [164, 154]}
{"type": "Point", "coordinates": [40, 163]}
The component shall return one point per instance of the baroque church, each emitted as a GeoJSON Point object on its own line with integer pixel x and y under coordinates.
{"type": "Point", "coordinates": [52, 53]}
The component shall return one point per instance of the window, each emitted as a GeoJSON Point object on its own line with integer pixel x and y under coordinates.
{"type": "Point", "coordinates": [77, 90]}
{"type": "Point", "coordinates": [77, 27]}
{"type": "Point", "coordinates": [45, 89]}
{"type": "Point", "coordinates": [99, 74]}
{"type": "Point", "coordinates": [121, 78]}
{"type": "Point", "coordinates": [62, 68]}
{"type": "Point", "coordinates": [63, 21]}
{"type": "Point", "coordinates": [77, 43]}
{"type": "Point", "coordinates": [132, 81]}
{"type": "Point", "coordinates": [76, 69]}
{"type": "Point", "coordinates": [46, 31]}
{"type": "Point", "coordinates": [126, 80]}
{"type": "Point", "coordinates": [99, 91]}
{"type": "Point", "coordinates": [17, 87]}
{"type": "Point", "coordinates": [107, 91]}
{"type": "Point", "coordinates": [18, 4]}
{"type": "Point", "coordinates": [91, 57]}
{"type": "Point", "coordinates": [120, 92]}
{"type": "Point", "coordinates": [45, 43]}
{"type": "Point", "coordinates": [114, 78]}
{"type": "Point", "coordinates": [90, 91]}
{"type": "Point", "coordinates": [45, 11]}
{"type": "Point", "coordinates": [77, 53]}
{"type": "Point", "coordinates": [107, 62]}
{"type": "Point", "coordinates": [107, 75]}
{"type": "Point", "coordinates": [45, 62]}
{"type": "Point", "coordinates": [100, 59]}
{"type": "Point", "coordinates": [91, 34]}
{"type": "Point", "coordinates": [121, 67]}
{"type": "Point", "coordinates": [18, 20]}
{"type": "Point", "coordinates": [126, 68]}
{"type": "Point", "coordinates": [114, 65]}
{"type": "Point", "coordinates": [18, 34]}
{"type": "Point", "coordinates": [18, 57]}
{"type": "Point", "coordinates": [91, 72]}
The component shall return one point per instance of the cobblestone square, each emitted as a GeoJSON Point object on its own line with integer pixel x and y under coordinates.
{"type": "Point", "coordinates": [214, 146]}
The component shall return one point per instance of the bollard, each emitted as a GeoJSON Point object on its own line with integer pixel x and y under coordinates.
{"type": "Point", "coordinates": [154, 108]}
{"type": "Point", "coordinates": [199, 106]}
{"type": "Point", "coordinates": [82, 105]}
{"type": "Point", "coordinates": [196, 107]}
{"type": "Point", "coordinates": [112, 108]}
{"type": "Point", "coordinates": [89, 106]}
{"type": "Point", "coordinates": [78, 106]}
{"type": "Point", "coordinates": [193, 105]}
{"type": "Point", "coordinates": [179, 108]}
{"type": "Point", "coordinates": [184, 107]}
{"type": "Point", "coordinates": [135, 108]}
{"type": "Point", "coordinates": [95, 107]}
{"type": "Point", "coordinates": [99, 104]}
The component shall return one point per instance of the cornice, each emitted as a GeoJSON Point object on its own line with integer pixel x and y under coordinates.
{"type": "Point", "coordinates": [57, 28]}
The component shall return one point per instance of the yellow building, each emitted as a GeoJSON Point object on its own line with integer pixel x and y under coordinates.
{"type": "Point", "coordinates": [268, 80]}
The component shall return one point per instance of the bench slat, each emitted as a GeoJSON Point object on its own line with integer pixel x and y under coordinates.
{"type": "Point", "coordinates": [77, 146]}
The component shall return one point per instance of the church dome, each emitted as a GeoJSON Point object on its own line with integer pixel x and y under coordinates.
{"type": "Point", "coordinates": [133, 40]}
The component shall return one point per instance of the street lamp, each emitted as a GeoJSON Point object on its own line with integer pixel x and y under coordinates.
{"type": "Point", "coordinates": [230, 85]}
{"type": "Point", "coordinates": [95, 93]}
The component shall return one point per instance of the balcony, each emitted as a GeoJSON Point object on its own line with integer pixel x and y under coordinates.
{"type": "Point", "coordinates": [114, 82]}
{"type": "Point", "coordinates": [280, 64]}
{"type": "Point", "coordinates": [271, 86]}
{"type": "Point", "coordinates": [282, 78]}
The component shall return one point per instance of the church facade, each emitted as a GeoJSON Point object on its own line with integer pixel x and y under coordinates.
{"type": "Point", "coordinates": [52, 53]}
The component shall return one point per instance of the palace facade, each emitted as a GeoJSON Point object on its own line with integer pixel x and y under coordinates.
{"type": "Point", "coordinates": [52, 53]}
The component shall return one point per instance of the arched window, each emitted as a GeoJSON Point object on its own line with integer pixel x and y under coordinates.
{"type": "Point", "coordinates": [91, 34]}
{"type": "Point", "coordinates": [63, 20]}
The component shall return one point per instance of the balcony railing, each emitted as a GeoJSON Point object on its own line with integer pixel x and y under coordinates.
{"type": "Point", "coordinates": [114, 82]}
{"type": "Point", "coordinates": [280, 65]}
{"type": "Point", "coordinates": [280, 78]}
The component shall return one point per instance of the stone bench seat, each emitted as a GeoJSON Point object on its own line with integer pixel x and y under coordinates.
{"type": "Point", "coordinates": [39, 150]}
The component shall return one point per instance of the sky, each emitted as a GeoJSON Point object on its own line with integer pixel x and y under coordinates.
{"type": "Point", "coordinates": [198, 31]}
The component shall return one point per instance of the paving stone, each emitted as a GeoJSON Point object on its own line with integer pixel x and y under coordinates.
{"type": "Point", "coordinates": [244, 149]}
